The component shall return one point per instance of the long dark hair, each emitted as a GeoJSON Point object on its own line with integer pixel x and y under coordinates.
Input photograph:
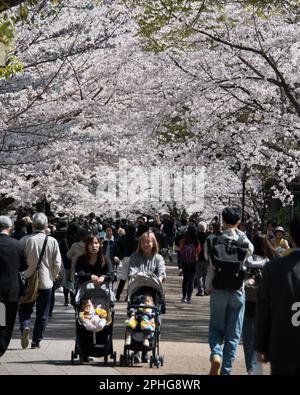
{"type": "Point", "coordinates": [263, 247]}
{"type": "Point", "coordinates": [100, 257]}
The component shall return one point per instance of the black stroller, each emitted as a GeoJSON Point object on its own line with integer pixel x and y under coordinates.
{"type": "Point", "coordinates": [140, 284]}
{"type": "Point", "coordinates": [92, 343]}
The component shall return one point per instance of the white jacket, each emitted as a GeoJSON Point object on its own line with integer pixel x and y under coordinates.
{"type": "Point", "coordinates": [51, 261]}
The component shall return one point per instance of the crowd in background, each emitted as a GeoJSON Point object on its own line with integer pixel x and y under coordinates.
{"type": "Point", "coordinates": [98, 250]}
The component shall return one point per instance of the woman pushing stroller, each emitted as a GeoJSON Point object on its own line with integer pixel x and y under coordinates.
{"type": "Point", "coordinates": [93, 304]}
{"type": "Point", "coordinates": [145, 259]}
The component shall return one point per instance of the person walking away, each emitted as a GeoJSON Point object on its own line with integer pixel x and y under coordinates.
{"type": "Point", "coordinates": [64, 247]}
{"type": "Point", "coordinates": [108, 246]}
{"type": "Point", "coordinates": [180, 232]}
{"type": "Point", "coordinates": [189, 248]}
{"type": "Point", "coordinates": [263, 252]}
{"type": "Point", "coordinates": [49, 268]}
{"type": "Point", "coordinates": [12, 261]}
{"type": "Point", "coordinates": [202, 265]}
{"type": "Point", "coordinates": [277, 331]}
{"type": "Point", "coordinates": [226, 253]}
{"type": "Point", "coordinates": [123, 249]}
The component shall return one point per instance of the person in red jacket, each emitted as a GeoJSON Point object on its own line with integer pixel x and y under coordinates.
{"type": "Point", "coordinates": [189, 248]}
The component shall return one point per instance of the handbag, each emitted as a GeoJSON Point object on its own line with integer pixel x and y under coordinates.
{"type": "Point", "coordinates": [31, 286]}
{"type": "Point", "coordinates": [251, 284]}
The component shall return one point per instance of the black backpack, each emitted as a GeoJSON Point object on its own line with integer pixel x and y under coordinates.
{"type": "Point", "coordinates": [227, 256]}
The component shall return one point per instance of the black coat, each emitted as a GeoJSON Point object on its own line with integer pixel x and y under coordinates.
{"type": "Point", "coordinates": [84, 270]}
{"type": "Point", "coordinates": [125, 246]}
{"type": "Point", "coordinates": [12, 261]}
{"type": "Point", "coordinates": [279, 291]}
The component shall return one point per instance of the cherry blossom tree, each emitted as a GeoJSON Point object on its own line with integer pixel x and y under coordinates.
{"type": "Point", "coordinates": [208, 86]}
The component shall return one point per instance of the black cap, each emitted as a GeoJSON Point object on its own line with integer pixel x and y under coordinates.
{"type": "Point", "coordinates": [231, 215]}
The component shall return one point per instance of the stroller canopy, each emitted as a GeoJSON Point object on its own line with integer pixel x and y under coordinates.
{"type": "Point", "coordinates": [145, 279]}
{"type": "Point", "coordinates": [99, 293]}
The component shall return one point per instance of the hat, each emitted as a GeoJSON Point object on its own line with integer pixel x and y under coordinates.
{"type": "Point", "coordinates": [231, 215]}
{"type": "Point", "coordinates": [279, 229]}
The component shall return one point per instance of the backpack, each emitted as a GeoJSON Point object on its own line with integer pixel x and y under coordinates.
{"type": "Point", "coordinates": [227, 256]}
{"type": "Point", "coordinates": [189, 255]}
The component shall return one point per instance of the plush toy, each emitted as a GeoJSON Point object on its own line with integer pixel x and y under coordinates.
{"type": "Point", "coordinates": [147, 324]}
{"type": "Point", "coordinates": [93, 319]}
{"type": "Point", "coordinates": [131, 322]}
{"type": "Point", "coordinates": [100, 312]}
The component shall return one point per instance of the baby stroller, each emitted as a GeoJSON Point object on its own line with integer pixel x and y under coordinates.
{"type": "Point", "coordinates": [91, 343]}
{"type": "Point", "coordinates": [140, 284]}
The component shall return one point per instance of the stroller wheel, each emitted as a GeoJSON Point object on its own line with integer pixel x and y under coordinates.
{"type": "Point", "coordinates": [114, 357]}
{"type": "Point", "coordinates": [73, 356]}
{"type": "Point", "coordinates": [127, 360]}
{"type": "Point", "coordinates": [151, 362]}
{"type": "Point", "coordinates": [161, 361]}
{"type": "Point", "coordinates": [121, 360]}
{"type": "Point", "coordinates": [105, 360]}
{"type": "Point", "coordinates": [131, 359]}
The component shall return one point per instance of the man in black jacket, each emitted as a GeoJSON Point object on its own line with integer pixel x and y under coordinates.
{"type": "Point", "coordinates": [278, 310]}
{"type": "Point", "coordinates": [11, 262]}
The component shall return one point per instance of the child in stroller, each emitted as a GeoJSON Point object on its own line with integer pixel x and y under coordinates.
{"type": "Point", "coordinates": [94, 319]}
{"type": "Point", "coordinates": [145, 306]}
{"type": "Point", "coordinates": [144, 317]}
{"type": "Point", "coordinates": [94, 314]}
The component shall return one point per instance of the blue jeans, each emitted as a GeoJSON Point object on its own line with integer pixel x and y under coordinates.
{"type": "Point", "coordinates": [42, 312]}
{"type": "Point", "coordinates": [226, 322]}
{"type": "Point", "coordinates": [248, 342]}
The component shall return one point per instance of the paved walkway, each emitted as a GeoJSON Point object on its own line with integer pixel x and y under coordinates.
{"type": "Point", "coordinates": [183, 341]}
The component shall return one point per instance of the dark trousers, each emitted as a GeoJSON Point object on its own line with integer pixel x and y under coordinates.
{"type": "Point", "coordinates": [42, 311]}
{"type": "Point", "coordinates": [201, 273]}
{"type": "Point", "coordinates": [52, 301]}
{"type": "Point", "coordinates": [188, 281]}
{"type": "Point", "coordinates": [6, 331]}
{"type": "Point", "coordinates": [120, 288]}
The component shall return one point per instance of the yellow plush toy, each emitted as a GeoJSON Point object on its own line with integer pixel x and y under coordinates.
{"type": "Point", "coordinates": [101, 312]}
{"type": "Point", "coordinates": [131, 322]}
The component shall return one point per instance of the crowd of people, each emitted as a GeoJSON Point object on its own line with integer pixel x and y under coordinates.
{"type": "Point", "coordinates": [252, 278]}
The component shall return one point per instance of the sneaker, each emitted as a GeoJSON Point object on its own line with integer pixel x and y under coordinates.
{"type": "Point", "coordinates": [189, 301]}
{"type": "Point", "coordinates": [180, 273]}
{"type": "Point", "coordinates": [25, 338]}
{"type": "Point", "coordinates": [146, 343]}
{"type": "Point", "coordinates": [35, 345]}
{"type": "Point", "coordinates": [200, 293]}
{"type": "Point", "coordinates": [66, 304]}
{"type": "Point", "coordinates": [215, 365]}
{"type": "Point", "coordinates": [128, 340]}
{"type": "Point", "coordinates": [183, 300]}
